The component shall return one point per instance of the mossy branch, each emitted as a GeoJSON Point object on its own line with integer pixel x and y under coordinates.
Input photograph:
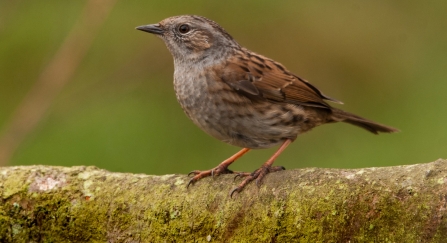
{"type": "Point", "coordinates": [87, 204]}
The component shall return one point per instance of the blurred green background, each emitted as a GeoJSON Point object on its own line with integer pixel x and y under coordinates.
{"type": "Point", "coordinates": [387, 60]}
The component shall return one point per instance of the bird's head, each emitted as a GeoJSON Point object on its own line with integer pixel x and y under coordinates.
{"type": "Point", "coordinates": [191, 37]}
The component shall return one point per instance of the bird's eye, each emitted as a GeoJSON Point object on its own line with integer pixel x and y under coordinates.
{"type": "Point", "coordinates": [184, 28]}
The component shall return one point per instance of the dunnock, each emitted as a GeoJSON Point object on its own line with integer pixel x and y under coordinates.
{"type": "Point", "coordinates": [240, 97]}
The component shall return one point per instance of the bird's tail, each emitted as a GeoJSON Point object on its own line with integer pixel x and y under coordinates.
{"type": "Point", "coordinates": [374, 127]}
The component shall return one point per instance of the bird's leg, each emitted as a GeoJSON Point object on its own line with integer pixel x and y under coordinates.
{"type": "Point", "coordinates": [264, 170]}
{"type": "Point", "coordinates": [222, 168]}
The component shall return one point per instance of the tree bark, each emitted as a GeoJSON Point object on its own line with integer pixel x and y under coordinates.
{"type": "Point", "coordinates": [87, 204]}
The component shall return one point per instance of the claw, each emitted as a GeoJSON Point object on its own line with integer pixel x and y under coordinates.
{"type": "Point", "coordinates": [242, 174]}
{"type": "Point", "coordinates": [192, 172]}
{"type": "Point", "coordinates": [190, 183]}
{"type": "Point", "coordinates": [233, 191]}
{"type": "Point", "coordinates": [276, 168]}
{"type": "Point", "coordinates": [236, 176]}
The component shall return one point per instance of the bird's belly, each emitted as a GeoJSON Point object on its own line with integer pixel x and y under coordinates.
{"type": "Point", "coordinates": [237, 120]}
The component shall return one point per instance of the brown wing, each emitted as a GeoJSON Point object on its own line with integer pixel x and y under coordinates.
{"type": "Point", "coordinates": [260, 76]}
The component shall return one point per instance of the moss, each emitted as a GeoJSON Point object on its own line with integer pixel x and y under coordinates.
{"type": "Point", "coordinates": [49, 218]}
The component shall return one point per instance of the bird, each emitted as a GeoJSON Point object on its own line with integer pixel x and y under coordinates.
{"type": "Point", "coordinates": [241, 97]}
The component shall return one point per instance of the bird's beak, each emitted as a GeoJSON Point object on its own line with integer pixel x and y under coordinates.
{"type": "Point", "coordinates": [151, 28]}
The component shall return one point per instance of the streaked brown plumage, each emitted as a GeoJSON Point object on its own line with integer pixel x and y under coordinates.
{"type": "Point", "coordinates": [240, 97]}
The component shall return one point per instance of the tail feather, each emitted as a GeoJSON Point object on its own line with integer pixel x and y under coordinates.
{"type": "Point", "coordinates": [374, 127]}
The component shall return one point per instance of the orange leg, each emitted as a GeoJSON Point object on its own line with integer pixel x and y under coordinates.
{"type": "Point", "coordinates": [222, 168]}
{"type": "Point", "coordinates": [264, 170]}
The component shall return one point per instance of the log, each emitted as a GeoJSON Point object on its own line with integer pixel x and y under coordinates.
{"type": "Point", "coordinates": [87, 204]}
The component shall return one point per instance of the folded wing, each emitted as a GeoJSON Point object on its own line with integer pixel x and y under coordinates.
{"type": "Point", "coordinates": [256, 75]}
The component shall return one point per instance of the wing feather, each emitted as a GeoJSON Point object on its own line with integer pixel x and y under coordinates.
{"type": "Point", "coordinates": [259, 76]}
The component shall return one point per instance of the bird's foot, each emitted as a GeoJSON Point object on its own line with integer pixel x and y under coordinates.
{"type": "Point", "coordinates": [218, 170]}
{"type": "Point", "coordinates": [257, 175]}
{"type": "Point", "coordinates": [222, 168]}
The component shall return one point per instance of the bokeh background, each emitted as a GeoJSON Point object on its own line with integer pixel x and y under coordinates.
{"type": "Point", "coordinates": [80, 86]}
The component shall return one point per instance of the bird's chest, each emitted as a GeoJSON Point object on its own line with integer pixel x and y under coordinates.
{"type": "Point", "coordinates": [191, 90]}
{"type": "Point", "coordinates": [208, 102]}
